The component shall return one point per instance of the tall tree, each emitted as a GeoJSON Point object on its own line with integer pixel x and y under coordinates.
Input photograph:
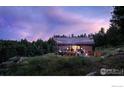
{"type": "Point", "coordinates": [100, 38]}
{"type": "Point", "coordinates": [51, 45]}
{"type": "Point", "coordinates": [117, 22]}
{"type": "Point", "coordinates": [113, 36]}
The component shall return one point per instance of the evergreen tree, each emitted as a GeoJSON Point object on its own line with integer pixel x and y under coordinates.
{"type": "Point", "coordinates": [51, 45]}
{"type": "Point", "coordinates": [117, 22]}
{"type": "Point", "coordinates": [100, 38]}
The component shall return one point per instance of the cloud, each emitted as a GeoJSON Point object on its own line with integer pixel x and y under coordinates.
{"type": "Point", "coordinates": [71, 23]}
{"type": "Point", "coordinates": [33, 23]}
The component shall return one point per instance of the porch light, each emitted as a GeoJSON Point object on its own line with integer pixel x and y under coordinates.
{"type": "Point", "coordinates": [86, 54]}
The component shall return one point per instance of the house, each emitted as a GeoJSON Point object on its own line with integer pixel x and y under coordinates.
{"type": "Point", "coordinates": [82, 45]}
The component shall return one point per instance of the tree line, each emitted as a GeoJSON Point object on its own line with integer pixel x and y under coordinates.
{"type": "Point", "coordinates": [76, 36]}
{"type": "Point", "coordinates": [9, 48]}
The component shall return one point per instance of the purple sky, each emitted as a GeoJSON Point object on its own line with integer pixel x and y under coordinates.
{"type": "Point", "coordinates": [33, 23]}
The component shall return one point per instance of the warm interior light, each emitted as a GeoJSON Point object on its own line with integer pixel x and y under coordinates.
{"type": "Point", "coordinates": [75, 47]}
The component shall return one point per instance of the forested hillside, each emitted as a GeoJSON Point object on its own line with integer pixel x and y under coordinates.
{"type": "Point", "coordinates": [9, 48]}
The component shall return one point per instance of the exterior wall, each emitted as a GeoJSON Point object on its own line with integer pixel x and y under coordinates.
{"type": "Point", "coordinates": [88, 49]}
{"type": "Point", "coordinates": [62, 47]}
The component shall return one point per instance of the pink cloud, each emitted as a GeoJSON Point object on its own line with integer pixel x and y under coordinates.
{"type": "Point", "coordinates": [78, 24]}
{"type": "Point", "coordinates": [30, 31]}
{"type": "Point", "coordinates": [67, 23]}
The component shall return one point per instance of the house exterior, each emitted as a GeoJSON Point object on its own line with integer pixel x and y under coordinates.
{"type": "Point", "coordinates": [75, 44]}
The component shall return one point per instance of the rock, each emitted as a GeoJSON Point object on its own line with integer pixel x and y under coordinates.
{"type": "Point", "coordinates": [14, 59]}
{"type": "Point", "coordinates": [20, 60]}
{"type": "Point", "coordinates": [119, 50]}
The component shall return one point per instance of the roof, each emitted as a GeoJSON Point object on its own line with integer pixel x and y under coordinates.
{"type": "Point", "coordinates": [74, 40]}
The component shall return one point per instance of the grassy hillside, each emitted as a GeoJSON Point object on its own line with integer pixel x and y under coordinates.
{"type": "Point", "coordinates": [49, 64]}
{"type": "Point", "coordinates": [55, 65]}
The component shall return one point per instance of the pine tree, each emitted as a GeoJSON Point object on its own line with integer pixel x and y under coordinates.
{"type": "Point", "coordinates": [117, 22]}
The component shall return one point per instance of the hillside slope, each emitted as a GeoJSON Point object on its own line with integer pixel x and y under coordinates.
{"type": "Point", "coordinates": [55, 65]}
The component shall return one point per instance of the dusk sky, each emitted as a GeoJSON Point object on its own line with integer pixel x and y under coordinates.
{"type": "Point", "coordinates": [35, 23]}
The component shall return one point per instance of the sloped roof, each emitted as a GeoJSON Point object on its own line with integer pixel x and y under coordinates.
{"type": "Point", "coordinates": [74, 40]}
